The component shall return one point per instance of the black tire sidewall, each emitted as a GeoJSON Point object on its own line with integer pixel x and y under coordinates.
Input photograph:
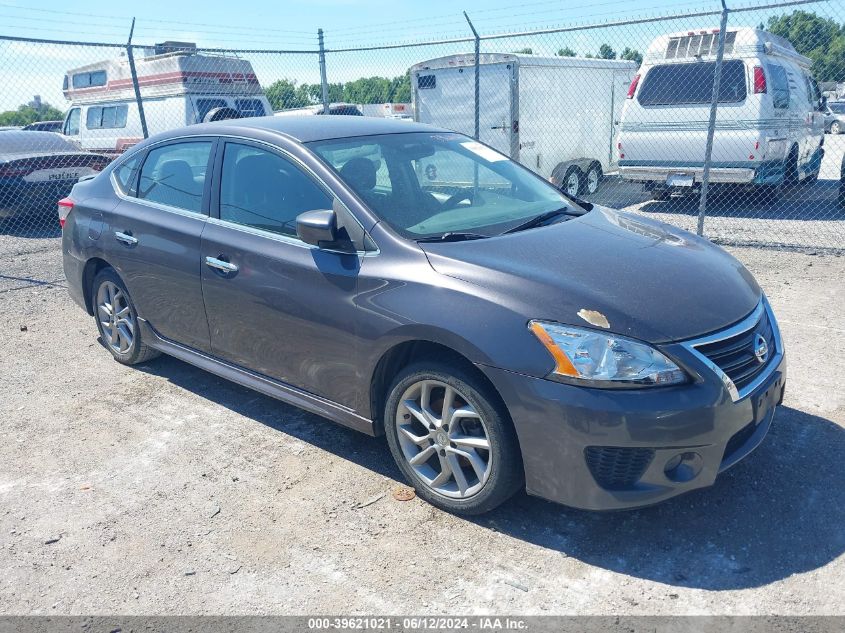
{"type": "Point", "coordinates": [595, 167]}
{"type": "Point", "coordinates": [109, 274]}
{"type": "Point", "coordinates": [506, 475]}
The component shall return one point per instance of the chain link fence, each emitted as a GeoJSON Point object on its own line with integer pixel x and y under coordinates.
{"type": "Point", "coordinates": [725, 121]}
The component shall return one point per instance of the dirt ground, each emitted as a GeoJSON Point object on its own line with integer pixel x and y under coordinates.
{"type": "Point", "coordinates": [162, 489]}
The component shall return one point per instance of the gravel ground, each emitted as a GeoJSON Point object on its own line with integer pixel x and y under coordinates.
{"type": "Point", "coordinates": [162, 489]}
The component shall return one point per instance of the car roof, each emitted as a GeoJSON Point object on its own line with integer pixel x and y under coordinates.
{"type": "Point", "coordinates": [307, 128]}
{"type": "Point", "coordinates": [15, 142]}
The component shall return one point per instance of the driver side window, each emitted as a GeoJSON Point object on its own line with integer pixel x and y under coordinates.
{"type": "Point", "coordinates": [261, 189]}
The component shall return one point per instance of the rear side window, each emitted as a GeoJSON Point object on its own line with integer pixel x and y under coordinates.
{"type": "Point", "coordinates": [87, 80]}
{"type": "Point", "coordinates": [266, 191]}
{"type": "Point", "coordinates": [692, 84]}
{"type": "Point", "coordinates": [204, 106]}
{"type": "Point", "coordinates": [175, 175]}
{"type": "Point", "coordinates": [425, 82]}
{"type": "Point", "coordinates": [249, 107]}
{"type": "Point", "coordinates": [126, 173]}
{"type": "Point", "coordinates": [780, 86]}
{"type": "Point", "coordinates": [106, 117]}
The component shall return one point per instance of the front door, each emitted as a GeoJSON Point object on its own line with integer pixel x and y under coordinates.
{"type": "Point", "coordinates": [154, 238]}
{"type": "Point", "coordinates": [276, 305]}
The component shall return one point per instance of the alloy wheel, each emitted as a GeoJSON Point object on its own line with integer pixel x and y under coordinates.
{"type": "Point", "coordinates": [592, 181]}
{"type": "Point", "coordinates": [573, 183]}
{"type": "Point", "coordinates": [443, 439]}
{"type": "Point", "coordinates": [115, 316]}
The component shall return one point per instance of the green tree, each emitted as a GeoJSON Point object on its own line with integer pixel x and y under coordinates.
{"type": "Point", "coordinates": [605, 52]}
{"type": "Point", "coordinates": [525, 51]}
{"type": "Point", "coordinates": [820, 39]}
{"type": "Point", "coordinates": [29, 113]}
{"type": "Point", "coordinates": [566, 52]}
{"type": "Point", "coordinates": [632, 54]}
{"type": "Point", "coordinates": [284, 93]}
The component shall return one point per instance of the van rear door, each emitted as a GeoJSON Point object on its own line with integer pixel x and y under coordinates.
{"type": "Point", "coordinates": [666, 125]}
{"type": "Point", "coordinates": [446, 96]}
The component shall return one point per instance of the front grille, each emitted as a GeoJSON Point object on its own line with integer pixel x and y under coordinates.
{"type": "Point", "coordinates": [617, 468]}
{"type": "Point", "coordinates": [735, 355]}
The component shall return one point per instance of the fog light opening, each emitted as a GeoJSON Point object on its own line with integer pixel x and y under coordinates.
{"type": "Point", "coordinates": [683, 467]}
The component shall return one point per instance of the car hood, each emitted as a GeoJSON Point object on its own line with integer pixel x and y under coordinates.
{"type": "Point", "coordinates": [608, 269]}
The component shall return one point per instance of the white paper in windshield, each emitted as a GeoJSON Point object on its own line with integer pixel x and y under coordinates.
{"type": "Point", "coordinates": [490, 155]}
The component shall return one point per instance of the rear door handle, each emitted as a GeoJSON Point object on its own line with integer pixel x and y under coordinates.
{"type": "Point", "coordinates": [126, 238]}
{"type": "Point", "coordinates": [219, 264]}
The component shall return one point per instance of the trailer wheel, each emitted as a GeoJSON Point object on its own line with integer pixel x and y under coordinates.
{"type": "Point", "coordinates": [571, 183]}
{"type": "Point", "coordinates": [592, 179]}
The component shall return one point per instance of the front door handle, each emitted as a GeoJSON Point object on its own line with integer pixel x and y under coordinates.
{"type": "Point", "coordinates": [219, 264]}
{"type": "Point", "coordinates": [126, 238]}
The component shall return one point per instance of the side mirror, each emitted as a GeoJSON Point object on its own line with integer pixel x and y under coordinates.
{"type": "Point", "coordinates": [318, 228]}
{"type": "Point", "coordinates": [822, 104]}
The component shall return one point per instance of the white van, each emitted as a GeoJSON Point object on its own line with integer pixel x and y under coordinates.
{"type": "Point", "coordinates": [555, 115]}
{"type": "Point", "coordinates": [178, 87]}
{"type": "Point", "coordinates": [769, 123]}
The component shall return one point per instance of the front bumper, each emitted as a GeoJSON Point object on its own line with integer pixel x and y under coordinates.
{"type": "Point", "coordinates": [604, 449]}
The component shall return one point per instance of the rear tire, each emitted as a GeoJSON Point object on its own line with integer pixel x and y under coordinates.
{"type": "Point", "coordinates": [592, 179]}
{"type": "Point", "coordinates": [465, 464]}
{"type": "Point", "coordinates": [117, 319]}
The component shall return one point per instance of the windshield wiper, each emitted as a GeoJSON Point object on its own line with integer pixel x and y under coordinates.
{"type": "Point", "coordinates": [453, 236]}
{"type": "Point", "coordinates": [539, 220]}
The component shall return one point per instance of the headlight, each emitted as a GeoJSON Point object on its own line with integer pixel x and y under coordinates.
{"type": "Point", "coordinates": [604, 360]}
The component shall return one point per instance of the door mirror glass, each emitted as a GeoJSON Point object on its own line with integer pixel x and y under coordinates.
{"type": "Point", "coordinates": [318, 228]}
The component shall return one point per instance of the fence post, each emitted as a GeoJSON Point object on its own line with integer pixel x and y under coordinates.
{"type": "Point", "coordinates": [477, 76]}
{"type": "Point", "coordinates": [135, 85]}
{"type": "Point", "coordinates": [324, 84]}
{"type": "Point", "coordinates": [711, 126]}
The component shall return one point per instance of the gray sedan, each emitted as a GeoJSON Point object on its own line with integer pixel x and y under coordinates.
{"type": "Point", "coordinates": [410, 282]}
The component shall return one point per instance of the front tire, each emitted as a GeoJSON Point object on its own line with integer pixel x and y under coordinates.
{"type": "Point", "coordinates": [571, 183]}
{"type": "Point", "coordinates": [117, 319]}
{"type": "Point", "coordinates": [452, 438]}
{"type": "Point", "coordinates": [835, 128]}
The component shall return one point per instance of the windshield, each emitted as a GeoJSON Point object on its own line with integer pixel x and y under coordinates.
{"type": "Point", "coordinates": [429, 184]}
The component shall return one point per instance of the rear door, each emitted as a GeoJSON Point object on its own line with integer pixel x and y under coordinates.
{"type": "Point", "coordinates": [445, 97]}
{"type": "Point", "coordinates": [153, 238]}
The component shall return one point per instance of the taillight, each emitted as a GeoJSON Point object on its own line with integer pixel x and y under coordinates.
{"type": "Point", "coordinates": [65, 207]}
{"type": "Point", "coordinates": [759, 80]}
{"type": "Point", "coordinates": [633, 87]}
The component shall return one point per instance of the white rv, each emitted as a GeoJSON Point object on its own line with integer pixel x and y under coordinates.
{"type": "Point", "coordinates": [178, 87]}
{"type": "Point", "coordinates": [769, 122]}
{"type": "Point", "coordinates": [555, 115]}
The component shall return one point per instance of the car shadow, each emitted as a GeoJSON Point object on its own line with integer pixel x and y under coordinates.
{"type": "Point", "coordinates": [804, 202]}
{"type": "Point", "coordinates": [779, 512]}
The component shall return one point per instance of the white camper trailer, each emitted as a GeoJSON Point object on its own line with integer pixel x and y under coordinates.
{"type": "Point", "coordinates": [769, 120]}
{"type": "Point", "coordinates": [555, 115]}
{"type": "Point", "coordinates": [178, 86]}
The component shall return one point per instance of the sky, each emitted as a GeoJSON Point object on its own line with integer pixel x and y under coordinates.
{"type": "Point", "coordinates": [28, 69]}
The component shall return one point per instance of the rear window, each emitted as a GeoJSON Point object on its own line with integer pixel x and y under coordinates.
{"type": "Point", "coordinates": [692, 84]}
{"type": "Point", "coordinates": [780, 86]}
